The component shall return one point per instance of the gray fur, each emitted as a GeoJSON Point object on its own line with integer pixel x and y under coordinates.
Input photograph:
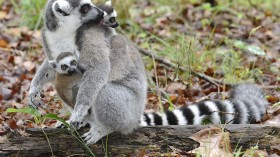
{"type": "Point", "coordinates": [113, 85]}
{"type": "Point", "coordinates": [51, 22]}
{"type": "Point", "coordinates": [63, 55]}
{"type": "Point", "coordinates": [108, 9]}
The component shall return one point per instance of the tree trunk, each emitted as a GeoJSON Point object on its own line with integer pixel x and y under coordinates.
{"type": "Point", "coordinates": [159, 139]}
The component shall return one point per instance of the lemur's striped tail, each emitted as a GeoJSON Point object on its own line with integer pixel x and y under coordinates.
{"type": "Point", "coordinates": [246, 104]}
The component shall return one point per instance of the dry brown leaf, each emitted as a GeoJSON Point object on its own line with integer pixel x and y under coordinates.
{"type": "Point", "coordinates": [273, 121]}
{"type": "Point", "coordinates": [3, 14]}
{"type": "Point", "coordinates": [3, 43]}
{"type": "Point", "coordinates": [141, 153]}
{"type": "Point", "coordinates": [213, 141]}
{"type": "Point", "coordinates": [174, 87]}
{"type": "Point", "coordinates": [254, 153]}
{"type": "Point", "coordinates": [29, 65]}
{"type": "Point", "coordinates": [23, 133]}
{"type": "Point", "coordinates": [13, 124]}
{"type": "Point", "coordinates": [3, 139]}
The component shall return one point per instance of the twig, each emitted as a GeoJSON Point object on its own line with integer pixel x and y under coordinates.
{"type": "Point", "coordinates": [172, 65]}
{"type": "Point", "coordinates": [48, 141]}
{"type": "Point", "coordinates": [271, 87]}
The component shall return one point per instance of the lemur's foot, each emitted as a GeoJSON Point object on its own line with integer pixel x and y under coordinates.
{"type": "Point", "coordinates": [95, 133]}
{"type": "Point", "coordinates": [59, 124]}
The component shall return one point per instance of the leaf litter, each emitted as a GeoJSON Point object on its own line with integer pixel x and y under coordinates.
{"type": "Point", "coordinates": [253, 32]}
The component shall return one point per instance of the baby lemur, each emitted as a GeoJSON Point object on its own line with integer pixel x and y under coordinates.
{"type": "Point", "coordinates": [65, 63]}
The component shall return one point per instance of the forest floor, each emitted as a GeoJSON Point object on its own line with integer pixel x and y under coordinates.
{"type": "Point", "coordinates": [233, 42]}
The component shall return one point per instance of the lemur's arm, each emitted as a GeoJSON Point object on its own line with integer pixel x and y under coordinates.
{"type": "Point", "coordinates": [43, 75]}
{"type": "Point", "coordinates": [94, 78]}
{"type": "Point", "coordinates": [95, 59]}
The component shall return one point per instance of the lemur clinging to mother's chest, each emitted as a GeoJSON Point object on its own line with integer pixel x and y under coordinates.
{"type": "Point", "coordinates": [66, 63]}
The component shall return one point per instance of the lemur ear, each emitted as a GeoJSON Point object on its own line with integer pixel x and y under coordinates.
{"type": "Point", "coordinates": [52, 64]}
{"type": "Point", "coordinates": [62, 7]}
{"type": "Point", "coordinates": [109, 3]}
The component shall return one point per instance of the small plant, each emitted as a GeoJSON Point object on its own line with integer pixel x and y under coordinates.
{"type": "Point", "coordinates": [1, 2]}
{"type": "Point", "coordinates": [39, 119]}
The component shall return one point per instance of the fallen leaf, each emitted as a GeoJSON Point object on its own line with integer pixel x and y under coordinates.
{"type": "Point", "coordinates": [29, 65]}
{"type": "Point", "coordinates": [3, 139]}
{"type": "Point", "coordinates": [254, 153]}
{"type": "Point", "coordinates": [213, 142]}
{"type": "Point", "coordinates": [3, 43]}
{"type": "Point", "coordinates": [13, 124]}
{"type": "Point", "coordinates": [3, 14]}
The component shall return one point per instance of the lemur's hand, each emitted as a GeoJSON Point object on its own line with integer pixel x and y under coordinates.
{"type": "Point", "coordinates": [78, 120]}
{"type": "Point", "coordinates": [35, 97]}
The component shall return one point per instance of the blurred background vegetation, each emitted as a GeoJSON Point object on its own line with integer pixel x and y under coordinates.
{"type": "Point", "coordinates": [208, 36]}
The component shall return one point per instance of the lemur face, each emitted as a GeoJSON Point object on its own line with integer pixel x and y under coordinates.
{"type": "Point", "coordinates": [65, 63]}
{"type": "Point", "coordinates": [110, 18]}
{"type": "Point", "coordinates": [72, 14]}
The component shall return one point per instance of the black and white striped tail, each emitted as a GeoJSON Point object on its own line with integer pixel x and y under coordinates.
{"type": "Point", "coordinates": [246, 104]}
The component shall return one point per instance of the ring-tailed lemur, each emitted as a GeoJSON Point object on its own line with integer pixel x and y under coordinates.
{"type": "Point", "coordinates": [62, 19]}
{"type": "Point", "coordinates": [66, 63]}
{"type": "Point", "coordinates": [246, 104]}
{"type": "Point", "coordinates": [110, 18]}
{"type": "Point", "coordinates": [112, 85]}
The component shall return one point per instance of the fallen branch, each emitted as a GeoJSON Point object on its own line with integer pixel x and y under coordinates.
{"type": "Point", "coordinates": [172, 65]}
{"type": "Point", "coordinates": [150, 139]}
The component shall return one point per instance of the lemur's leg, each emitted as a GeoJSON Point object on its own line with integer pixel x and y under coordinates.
{"type": "Point", "coordinates": [118, 106]}
{"type": "Point", "coordinates": [43, 75]}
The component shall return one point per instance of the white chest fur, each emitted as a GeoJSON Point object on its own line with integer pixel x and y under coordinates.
{"type": "Point", "coordinates": [61, 41]}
